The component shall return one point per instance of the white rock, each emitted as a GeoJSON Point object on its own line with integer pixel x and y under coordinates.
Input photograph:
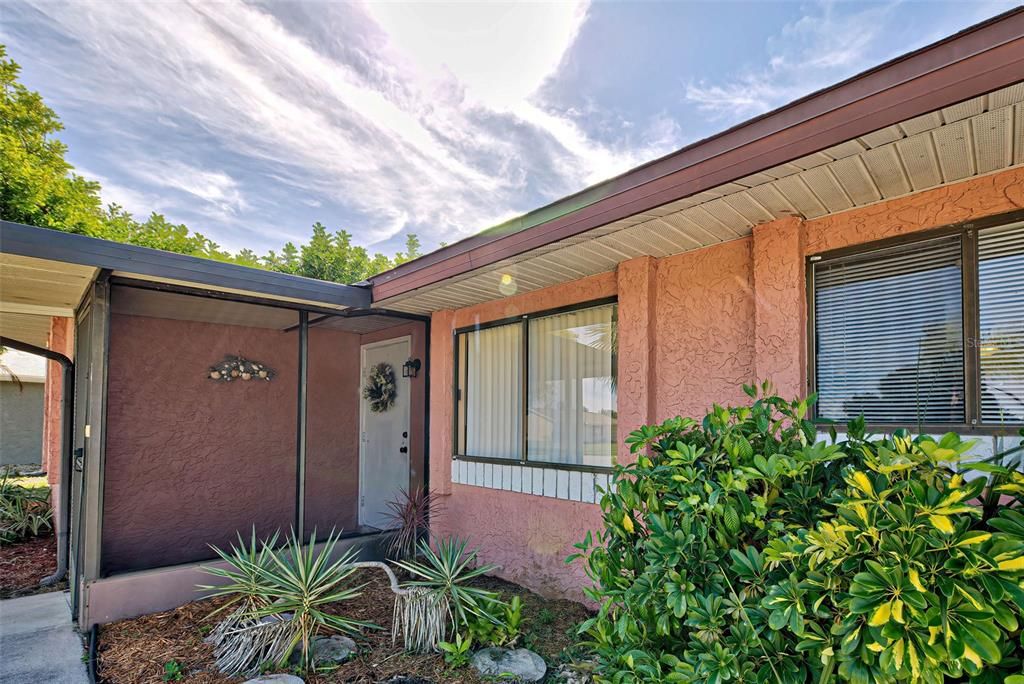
{"type": "Point", "coordinates": [276, 679]}
{"type": "Point", "coordinates": [519, 665]}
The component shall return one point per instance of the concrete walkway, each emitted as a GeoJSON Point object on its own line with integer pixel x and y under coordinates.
{"type": "Point", "coordinates": [38, 643]}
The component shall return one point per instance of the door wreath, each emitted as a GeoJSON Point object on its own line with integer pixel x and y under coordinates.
{"type": "Point", "coordinates": [380, 389]}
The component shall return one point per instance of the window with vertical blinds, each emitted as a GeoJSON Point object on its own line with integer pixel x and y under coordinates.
{"type": "Point", "coordinates": [569, 414]}
{"type": "Point", "coordinates": [889, 335]}
{"type": "Point", "coordinates": [927, 334]}
{"type": "Point", "coordinates": [1001, 323]}
{"type": "Point", "coordinates": [491, 386]}
{"type": "Point", "coordinates": [571, 407]}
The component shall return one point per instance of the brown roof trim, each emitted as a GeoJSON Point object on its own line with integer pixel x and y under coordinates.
{"type": "Point", "coordinates": [985, 57]}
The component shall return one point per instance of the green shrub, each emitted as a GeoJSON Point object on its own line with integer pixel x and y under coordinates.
{"type": "Point", "coordinates": [24, 511]}
{"type": "Point", "coordinates": [500, 624]}
{"type": "Point", "coordinates": [173, 672]}
{"type": "Point", "coordinates": [456, 653]}
{"type": "Point", "coordinates": [739, 549]}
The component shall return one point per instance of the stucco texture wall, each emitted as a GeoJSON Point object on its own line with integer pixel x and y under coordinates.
{"type": "Point", "coordinates": [61, 340]}
{"type": "Point", "coordinates": [692, 329]}
{"type": "Point", "coordinates": [704, 328]}
{"type": "Point", "coordinates": [190, 461]}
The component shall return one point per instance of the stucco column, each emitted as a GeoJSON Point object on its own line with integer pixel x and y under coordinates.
{"type": "Point", "coordinates": [780, 309]}
{"type": "Point", "coordinates": [441, 405]}
{"type": "Point", "coordinates": [60, 340]}
{"type": "Point", "coordinates": [636, 337]}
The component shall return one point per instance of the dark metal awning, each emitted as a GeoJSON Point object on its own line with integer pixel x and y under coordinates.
{"type": "Point", "coordinates": [45, 273]}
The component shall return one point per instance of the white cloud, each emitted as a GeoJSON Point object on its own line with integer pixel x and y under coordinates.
{"type": "Point", "coordinates": [500, 52]}
{"type": "Point", "coordinates": [824, 46]}
{"type": "Point", "coordinates": [424, 116]}
{"type": "Point", "coordinates": [219, 193]}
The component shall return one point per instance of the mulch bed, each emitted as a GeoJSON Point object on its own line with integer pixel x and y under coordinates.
{"type": "Point", "coordinates": [135, 651]}
{"type": "Point", "coordinates": [22, 565]}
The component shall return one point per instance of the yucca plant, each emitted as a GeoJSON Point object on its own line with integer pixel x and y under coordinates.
{"type": "Point", "coordinates": [240, 638]}
{"type": "Point", "coordinates": [303, 581]}
{"type": "Point", "coordinates": [408, 518]}
{"type": "Point", "coordinates": [293, 586]}
{"type": "Point", "coordinates": [445, 574]}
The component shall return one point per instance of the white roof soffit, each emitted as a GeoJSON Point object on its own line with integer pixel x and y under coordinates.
{"type": "Point", "coordinates": [33, 290]}
{"type": "Point", "coordinates": [974, 138]}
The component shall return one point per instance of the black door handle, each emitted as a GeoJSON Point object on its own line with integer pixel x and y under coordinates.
{"type": "Point", "coordinates": [404, 450]}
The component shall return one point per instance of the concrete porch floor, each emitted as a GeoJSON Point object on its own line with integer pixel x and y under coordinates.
{"type": "Point", "coordinates": [38, 642]}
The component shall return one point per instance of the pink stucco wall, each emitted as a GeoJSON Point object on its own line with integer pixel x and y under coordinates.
{"type": "Point", "coordinates": [704, 328]}
{"type": "Point", "coordinates": [60, 339]}
{"type": "Point", "coordinates": [692, 329]}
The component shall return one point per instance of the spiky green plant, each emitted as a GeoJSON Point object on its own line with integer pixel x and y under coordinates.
{"type": "Point", "coordinates": [445, 573]}
{"type": "Point", "coordinates": [240, 639]}
{"type": "Point", "coordinates": [304, 581]}
{"type": "Point", "coordinates": [293, 587]}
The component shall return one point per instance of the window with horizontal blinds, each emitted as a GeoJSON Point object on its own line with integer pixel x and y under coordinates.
{"type": "Point", "coordinates": [560, 407]}
{"type": "Point", "coordinates": [1001, 323]}
{"type": "Point", "coordinates": [889, 334]}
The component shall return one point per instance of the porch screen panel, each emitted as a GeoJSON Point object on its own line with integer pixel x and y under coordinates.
{"type": "Point", "coordinates": [1001, 318]}
{"type": "Point", "coordinates": [332, 432]}
{"type": "Point", "coordinates": [491, 392]}
{"type": "Point", "coordinates": [571, 407]}
{"type": "Point", "coordinates": [193, 461]}
{"type": "Point", "coordinates": [889, 335]}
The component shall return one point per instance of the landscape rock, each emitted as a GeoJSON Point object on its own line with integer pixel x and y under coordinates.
{"type": "Point", "coordinates": [275, 679]}
{"type": "Point", "coordinates": [332, 649]}
{"type": "Point", "coordinates": [521, 664]}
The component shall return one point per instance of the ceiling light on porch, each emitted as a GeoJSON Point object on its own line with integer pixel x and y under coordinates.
{"type": "Point", "coordinates": [507, 285]}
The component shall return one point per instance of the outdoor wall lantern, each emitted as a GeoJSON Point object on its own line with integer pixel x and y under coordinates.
{"type": "Point", "coordinates": [411, 368]}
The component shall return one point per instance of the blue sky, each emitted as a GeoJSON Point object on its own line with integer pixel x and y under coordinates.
{"type": "Point", "coordinates": [250, 121]}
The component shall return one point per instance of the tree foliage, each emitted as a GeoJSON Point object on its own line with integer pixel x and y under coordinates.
{"type": "Point", "coordinates": [39, 187]}
{"type": "Point", "coordinates": [738, 549]}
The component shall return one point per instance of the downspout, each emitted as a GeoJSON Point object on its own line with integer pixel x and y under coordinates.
{"type": "Point", "coordinates": [67, 449]}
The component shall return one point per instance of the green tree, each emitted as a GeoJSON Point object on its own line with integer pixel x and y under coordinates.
{"type": "Point", "coordinates": [37, 185]}
{"type": "Point", "coordinates": [330, 256]}
{"type": "Point", "coordinates": [412, 250]}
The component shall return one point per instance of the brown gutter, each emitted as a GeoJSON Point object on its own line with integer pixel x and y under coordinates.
{"type": "Point", "coordinates": [975, 61]}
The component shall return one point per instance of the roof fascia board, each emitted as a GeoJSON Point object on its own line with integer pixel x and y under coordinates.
{"type": "Point", "coordinates": [978, 60]}
{"type": "Point", "coordinates": [55, 245]}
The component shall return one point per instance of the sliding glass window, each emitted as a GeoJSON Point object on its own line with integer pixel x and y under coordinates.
{"type": "Point", "coordinates": [540, 389]}
{"type": "Point", "coordinates": [925, 334]}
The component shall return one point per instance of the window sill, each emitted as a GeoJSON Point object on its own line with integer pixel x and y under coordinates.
{"type": "Point", "coordinates": [570, 483]}
{"type": "Point", "coordinates": [926, 429]}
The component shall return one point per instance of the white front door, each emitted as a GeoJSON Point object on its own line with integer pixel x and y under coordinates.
{"type": "Point", "coordinates": [384, 437]}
